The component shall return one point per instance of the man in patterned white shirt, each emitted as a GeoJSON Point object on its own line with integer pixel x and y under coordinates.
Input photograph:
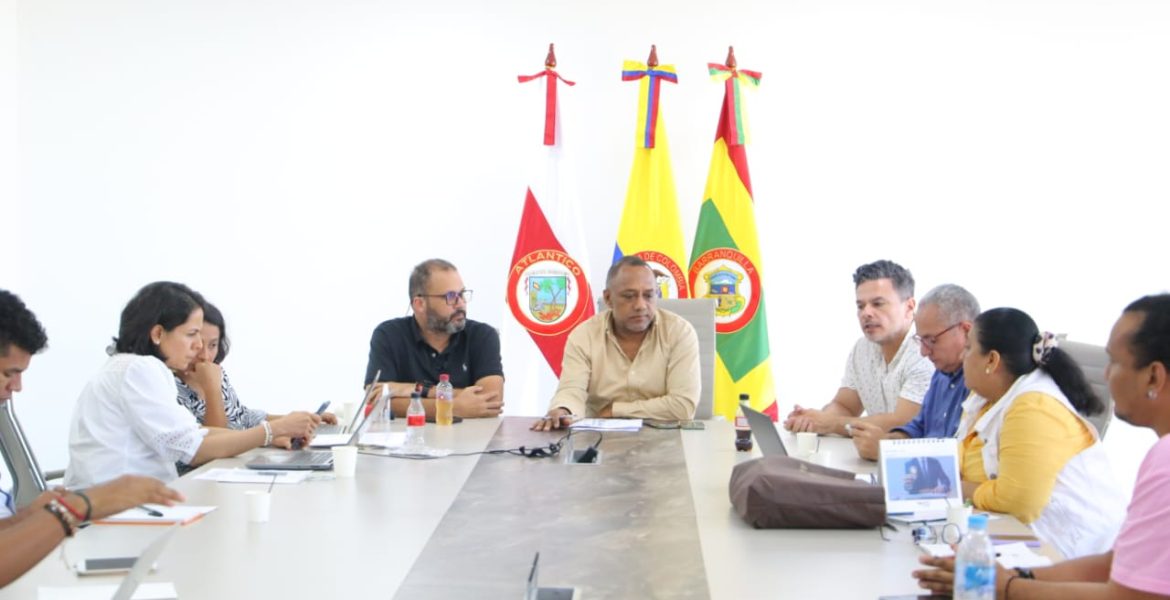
{"type": "Point", "coordinates": [885, 376]}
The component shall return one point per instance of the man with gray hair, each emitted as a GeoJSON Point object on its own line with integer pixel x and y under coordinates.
{"type": "Point", "coordinates": [437, 339]}
{"type": "Point", "coordinates": [885, 377]}
{"type": "Point", "coordinates": [945, 314]}
{"type": "Point", "coordinates": [633, 360]}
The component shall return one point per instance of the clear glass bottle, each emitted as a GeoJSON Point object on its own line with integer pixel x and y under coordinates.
{"type": "Point", "coordinates": [444, 401]}
{"type": "Point", "coordinates": [975, 563]}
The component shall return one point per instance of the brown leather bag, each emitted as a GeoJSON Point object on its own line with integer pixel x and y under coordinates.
{"type": "Point", "coordinates": [788, 493]}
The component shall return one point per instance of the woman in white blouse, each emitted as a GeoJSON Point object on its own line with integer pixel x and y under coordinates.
{"type": "Point", "coordinates": [127, 420]}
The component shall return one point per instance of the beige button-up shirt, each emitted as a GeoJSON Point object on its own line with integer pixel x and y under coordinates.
{"type": "Point", "coordinates": [660, 382]}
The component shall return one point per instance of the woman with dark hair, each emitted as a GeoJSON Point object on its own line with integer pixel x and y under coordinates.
{"type": "Point", "coordinates": [1025, 445]}
{"type": "Point", "coordinates": [204, 388]}
{"type": "Point", "coordinates": [127, 421]}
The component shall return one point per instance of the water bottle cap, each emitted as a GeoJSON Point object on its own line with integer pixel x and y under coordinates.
{"type": "Point", "coordinates": [444, 377]}
{"type": "Point", "coordinates": [743, 397]}
{"type": "Point", "coordinates": [977, 522]}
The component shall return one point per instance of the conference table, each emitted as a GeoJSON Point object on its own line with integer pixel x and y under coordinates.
{"type": "Point", "coordinates": [652, 519]}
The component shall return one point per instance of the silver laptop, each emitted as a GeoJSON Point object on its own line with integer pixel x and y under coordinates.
{"type": "Point", "coordinates": [764, 430]}
{"type": "Point", "coordinates": [351, 433]}
{"type": "Point", "coordinates": [143, 565]}
{"type": "Point", "coordinates": [354, 421]}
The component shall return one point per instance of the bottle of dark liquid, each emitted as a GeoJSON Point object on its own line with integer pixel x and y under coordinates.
{"type": "Point", "coordinates": [743, 431]}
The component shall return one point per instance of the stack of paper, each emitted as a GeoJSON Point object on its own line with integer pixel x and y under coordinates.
{"type": "Point", "coordinates": [608, 424]}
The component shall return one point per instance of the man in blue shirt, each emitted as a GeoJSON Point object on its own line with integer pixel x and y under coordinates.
{"type": "Point", "coordinates": [944, 319]}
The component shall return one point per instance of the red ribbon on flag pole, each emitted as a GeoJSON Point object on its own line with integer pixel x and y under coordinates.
{"type": "Point", "coordinates": [550, 94]}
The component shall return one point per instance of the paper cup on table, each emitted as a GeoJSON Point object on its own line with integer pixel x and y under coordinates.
{"type": "Point", "coordinates": [806, 443]}
{"type": "Point", "coordinates": [822, 457]}
{"type": "Point", "coordinates": [344, 461]}
{"type": "Point", "coordinates": [957, 515]}
{"type": "Point", "coordinates": [259, 505]}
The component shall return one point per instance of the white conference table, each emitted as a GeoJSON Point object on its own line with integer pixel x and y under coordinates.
{"type": "Point", "coordinates": [334, 538]}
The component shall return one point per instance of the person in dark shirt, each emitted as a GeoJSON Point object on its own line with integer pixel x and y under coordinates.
{"type": "Point", "coordinates": [438, 339]}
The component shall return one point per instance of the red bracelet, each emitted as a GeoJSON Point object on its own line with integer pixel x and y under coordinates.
{"type": "Point", "coordinates": [73, 511]}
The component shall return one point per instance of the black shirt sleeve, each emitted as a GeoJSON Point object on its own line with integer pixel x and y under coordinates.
{"type": "Point", "coordinates": [485, 353]}
{"type": "Point", "coordinates": [381, 355]}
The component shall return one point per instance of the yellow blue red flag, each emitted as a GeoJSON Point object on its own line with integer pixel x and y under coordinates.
{"type": "Point", "coordinates": [650, 225]}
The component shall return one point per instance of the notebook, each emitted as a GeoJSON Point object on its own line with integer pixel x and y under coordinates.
{"type": "Point", "coordinates": [920, 477]}
{"type": "Point", "coordinates": [297, 460]}
{"type": "Point", "coordinates": [157, 514]}
{"type": "Point", "coordinates": [129, 589]}
{"type": "Point", "coordinates": [764, 430]}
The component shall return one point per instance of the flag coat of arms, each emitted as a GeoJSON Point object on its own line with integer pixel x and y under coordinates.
{"type": "Point", "coordinates": [548, 290]}
{"type": "Point", "coordinates": [650, 225]}
{"type": "Point", "coordinates": [725, 259]}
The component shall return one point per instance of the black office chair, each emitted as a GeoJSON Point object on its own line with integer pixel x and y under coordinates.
{"type": "Point", "coordinates": [27, 479]}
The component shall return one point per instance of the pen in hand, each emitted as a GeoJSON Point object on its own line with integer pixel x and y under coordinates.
{"type": "Point", "coordinates": [299, 443]}
{"type": "Point", "coordinates": [150, 511]}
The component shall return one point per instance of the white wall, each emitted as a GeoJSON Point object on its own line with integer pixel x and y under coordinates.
{"type": "Point", "coordinates": [293, 159]}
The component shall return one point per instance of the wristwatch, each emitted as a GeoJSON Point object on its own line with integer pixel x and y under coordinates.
{"type": "Point", "coordinates": [1025, 573]}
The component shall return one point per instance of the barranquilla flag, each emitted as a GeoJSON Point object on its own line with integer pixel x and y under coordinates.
{"type": "Point", "coordinates": [548, 288]}
{"type": "Point", "coordinates": [650, 226]}
{"type": "Point", "coordinates": [725, 260]}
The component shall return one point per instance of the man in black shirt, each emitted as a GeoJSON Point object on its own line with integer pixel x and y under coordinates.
{"type": "Point", "coordinates": [438, 338]}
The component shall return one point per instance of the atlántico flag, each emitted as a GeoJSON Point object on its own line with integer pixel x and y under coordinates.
{"type": "Point", "coordinates": [548, 290]}
{"type": "Point", "coordinates": [650, 226]}
{"type": "Point", "coordinates": [725, 260]}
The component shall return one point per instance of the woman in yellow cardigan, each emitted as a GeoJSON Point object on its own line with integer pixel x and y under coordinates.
{"type": "Point", "coordinates": [1025, 446]}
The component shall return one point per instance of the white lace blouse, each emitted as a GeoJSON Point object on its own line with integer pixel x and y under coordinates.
{"type": "Point", "coordinates": [127, 422]}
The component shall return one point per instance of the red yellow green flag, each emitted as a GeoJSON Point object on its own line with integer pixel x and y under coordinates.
{"type": "Point", "coordinates": [725, 260]}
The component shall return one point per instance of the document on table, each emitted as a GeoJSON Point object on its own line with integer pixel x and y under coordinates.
{"type": "Point", "coordinates": [163, 515]}
{"type": "Point", "coordinates": [608, 424]}
{"type": "Point", "coordinates": [253, 476]}
{"type": "Point", "coordinates": [388, 439]}
{"type": "Point", "coordinates": [146, 591]}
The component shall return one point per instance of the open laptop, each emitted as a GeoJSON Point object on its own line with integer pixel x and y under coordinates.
{"type": "Point", "coordinates": [534, 592]}
{"type": "Point", "coordinates": [353, 421]}
{"type": "Point", "coordinates": [764, 430]}
{"type": "Point", "coordinates": [131, 587]}
{"type": "Point", "coordinates": [350, 434]}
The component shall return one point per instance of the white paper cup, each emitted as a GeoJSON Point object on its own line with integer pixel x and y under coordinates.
{"type": "Point", "coordinates": [957, 516]}
{"type": "Point", "coordinates": [259, 505]}
{"type": "Point", "coordinates": [806, 443]}
{"type": "Point", "coordinates": [345, 412]}
{"type": "Point", "coordinates": [822, 457]}
{"type": "Point", "coordinates": [344, 460]}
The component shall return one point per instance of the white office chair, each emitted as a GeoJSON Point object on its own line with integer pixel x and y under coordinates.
{"type": "Point", "coordinates": [700, 312]}
{"type": "Point", "coordinates": [1092, 360]}
{"type": "Point", "coordinates": [27, 479]}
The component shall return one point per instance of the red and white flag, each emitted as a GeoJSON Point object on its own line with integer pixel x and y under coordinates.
{"type": "Point", "coordinates": [548, 289]}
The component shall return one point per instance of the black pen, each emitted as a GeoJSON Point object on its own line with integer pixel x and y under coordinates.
{"type": "Point", "coordinates": [150, 511]}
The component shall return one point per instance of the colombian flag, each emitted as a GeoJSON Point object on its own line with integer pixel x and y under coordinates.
{"type": "Point", "coordinates": [650, 226]}
{"type": "Point", "coordinates": [726, 263]}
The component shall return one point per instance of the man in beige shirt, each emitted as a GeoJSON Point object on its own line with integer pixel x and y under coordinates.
{"type": "Point", "coordinates": [629, 361]}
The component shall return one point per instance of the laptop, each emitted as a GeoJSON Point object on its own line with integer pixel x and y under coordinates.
{"type": "Point", "coordinates": [354, 421]}
{"type": "Point", "coordinates": [350, 434]}
{"type": "Point", "coordinates": [920, 478]}
{"type": "Point", "coordinates": [534, 592]}
{"type": "Point", "coordinates": [293, 460]}
{"type": "Point", "coordinates": [764, 430]}
{"type": "Point", "coordinates": [131, 587]}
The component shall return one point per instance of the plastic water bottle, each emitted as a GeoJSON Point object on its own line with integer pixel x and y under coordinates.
{"type": "Point", "coordinates": [975, 563]}
{"type": "Point", "coordinates": [743, 431]}
{"type": "Point", "coordinates": [416, 418]}
{"type": "Point", "coordinates": [444, 401]}
{"type": "Point", "coordinates": [380, 421]}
